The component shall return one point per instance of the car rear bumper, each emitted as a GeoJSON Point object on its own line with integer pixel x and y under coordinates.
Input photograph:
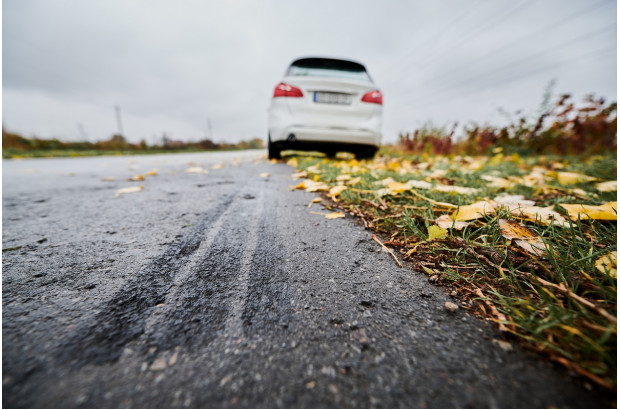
{"type": "Point", "coordinates": [322, 135]}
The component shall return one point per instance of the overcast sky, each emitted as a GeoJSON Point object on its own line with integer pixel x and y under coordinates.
{"type": "Point", "coordinates": [172, 65]}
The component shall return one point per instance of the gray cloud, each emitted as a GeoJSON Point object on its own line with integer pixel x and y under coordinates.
{"type": "Point", "coordinates": [172, 65]}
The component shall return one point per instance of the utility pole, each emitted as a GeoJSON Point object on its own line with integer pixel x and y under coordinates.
{"type": "Point", "coordinates": [118, 120]}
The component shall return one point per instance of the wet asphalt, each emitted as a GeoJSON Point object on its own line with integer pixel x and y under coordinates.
{"type": "Point", "coordinates": [223, 290]}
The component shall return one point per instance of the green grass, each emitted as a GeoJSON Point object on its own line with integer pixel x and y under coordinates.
{"type": "Point", "coordinates": [560, 304]}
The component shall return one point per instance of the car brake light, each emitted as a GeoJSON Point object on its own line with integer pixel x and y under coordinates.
{"type": "Point", "coordinates": [285, 90]}
{"type": "Point", "coordinates": [373, 97]}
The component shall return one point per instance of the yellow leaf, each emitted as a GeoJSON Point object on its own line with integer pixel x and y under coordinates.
{"type": "Point", "coordinates": [608, 264]}
{"type": "Point", "coordinates": [273, 161]}
{"type": "Point", "coordinates": [511, 229]}
{"type": "Point", "coordinates": [523, 237]}
{"type": "Point", "coordinates": [435, 232]}
{"type": "Point", "coordinates": [302, 174]}
{"type": "Point", "coordinates": [540, 214]}
{"type": "Point", "coordinates": [217, 166]}
{"type": "Point", "coordinates": [497, 182]}
{"type": "Point", "coordinates": [571, 178]}
{"type": "Point", "coordinates": [196, 170]}
{"type": "Point", "coordinates": [108, 179]}
{"type": "Point", "coordinates": [292, 162]}
{"type": "Point", "coordinates": [337, 190]}
{"type": "Point", "coordinates": [458, 189]}
{"type": "Point", "coordinates": [314, 201]}
{"type": "Point", "coordinates": [128, 190]}
{"type": "Point", "coordinates": [474, 211]}
{"type": "Point", "coordinates": [314, 169]}
{"type": "Point", "coordinates": [343, 177]}
{"type": "Point", "coordinates": [606, 212]}
{"type": "Point", "coordinates": [444, 221]}
{"type": "Point", "coordinates": [334, 215]}
{"type": "Point", "coordinates": [265, 174]}
{"type": "Point", "coordinates": [355, 181]}
{"type": "Point", "coordinates": [316, 178]}
{"type": "Point", "coordinates": [607, 186]}
{"type": "Point", "coordinates": [152, 173]}
{"type": "Point", "coordinates": [137, 178]}
{"type": "Point", "coordinates": [397, 187]}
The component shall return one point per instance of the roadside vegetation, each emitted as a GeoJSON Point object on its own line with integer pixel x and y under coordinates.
{"type": "Point", "coordinates": [17, 146]}
{"type": "Point", "coordinates": [518, 222]}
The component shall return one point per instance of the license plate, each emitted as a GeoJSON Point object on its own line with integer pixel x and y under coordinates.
{"type": "Point", "coordinates": [332, 98]}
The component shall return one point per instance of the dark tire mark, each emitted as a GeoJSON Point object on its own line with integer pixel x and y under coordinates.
{"type": "Point", "coordinates": [268, 300]}
{"type": "Point", "coordinates": [122, 319]}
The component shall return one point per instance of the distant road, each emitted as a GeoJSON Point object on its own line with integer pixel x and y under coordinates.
{"type": "Point", "coordinates": [221, 289]}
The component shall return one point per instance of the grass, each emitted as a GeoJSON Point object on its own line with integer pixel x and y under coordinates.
{"type": "Point", "coordinates": [14, 153]}
{"type": "Point", "coordinates": [558, 302]}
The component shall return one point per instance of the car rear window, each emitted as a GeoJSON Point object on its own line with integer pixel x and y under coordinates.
{"type": "Point", "coordinates": [327, 67]}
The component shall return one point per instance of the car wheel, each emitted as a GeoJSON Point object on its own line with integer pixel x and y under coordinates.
{"type": "Point", "coordinates": [365, 153]}
{"type": "Point", "coordinates": [274, 150]}
{"type": "Point", "coordinates": [330, 153]}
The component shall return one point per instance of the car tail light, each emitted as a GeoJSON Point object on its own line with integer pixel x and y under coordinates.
{"type": "Point", "coordinates": [285, 90]}
{"type": "Point", "coordinates": [373, 97]}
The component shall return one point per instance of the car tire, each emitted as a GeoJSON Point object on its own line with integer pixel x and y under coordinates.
{"type": "Point", "coordinates": [365, 153]}
{"type": "Point", "coordinates": [273, 149]}
{"type": "Point", "coordinates": [330, 153]}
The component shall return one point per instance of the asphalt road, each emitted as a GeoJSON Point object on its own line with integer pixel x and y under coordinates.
{"type": "Point", "coordinates": [223, 290]}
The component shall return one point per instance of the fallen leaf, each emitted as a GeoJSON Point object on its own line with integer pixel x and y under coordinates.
{"type": "Point", "coordinates": [608, 264]}
{"type": "Point", "coordinates": [152, 173]}
{"type": "Point", "coordinates": [458, 189]}
{"type": "Point", "coordinates": [108, 179]}
{"type": "Point", "coordinates": [265, 175]}
{"type": "Point", "coordinates": [497, 182]}
{"type": "Point", "coordinates": [607, 186]}
{"type": "Point", "coordinates": [302, 174]}
{"type": "Point", "coordinates": [343, 177]}
{"type": "Point", "coordinates": [546, 216]}
{"type": "Point", "coordinates": [196, 170]}
{"type": "Point", "coordinates": [397, 187]}
{"type": "Point", "coordinates": [217, 166]}
{"type": "Point", "coordinates": [128, 190]}
{"type": "Point", "coordinates": [137, 178]}
{"type": "Point", "coordinates": [605, 212]}
{"type": "Point", "coordinates": [436, 232]}
{"type": "Point", "coordinates": [315, 201]}
{"type": "Point", "coordinates": [571, 178]}
{"type": "Point", "coordinates": [337, 190]}
{"type": "Point", "coordinates": [512, 202]}
{"type": "Point", "coordinates": [474, 211]}
{"type": "Point", "coordinates": [523, 237]}
{"type": "Point", "coordinates": [334, 215]}
{"type": "Point", "coordinates": [419, 184]}
{"type": "Point", "coordinates": [444, 221]}
{"type": "Point", "coordinates": [355, 181]}
{"type": "Point", "coordinates": [292, 162]}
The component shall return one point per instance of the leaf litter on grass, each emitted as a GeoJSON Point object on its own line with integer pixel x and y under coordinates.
{"type": "Point", "coordinates": [527, 242]}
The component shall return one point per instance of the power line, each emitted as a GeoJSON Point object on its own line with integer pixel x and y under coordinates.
{"type": "Point", "coordinates": [512, 64]}
{"type": "Point", "coordinates": [435, 36]}
{"type": "Point", "coordinates": [544, 29]}
{"type": "Point", "coordinates": [472, 34]}
{"type": "Point", "coordinates": [525, 74]}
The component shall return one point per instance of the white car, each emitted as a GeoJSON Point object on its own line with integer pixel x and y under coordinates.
{"type": "Point", "coordinates": [327, 105]}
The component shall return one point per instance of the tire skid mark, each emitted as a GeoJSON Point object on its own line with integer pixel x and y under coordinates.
{"type": "Point", "coordinates": [234, 323]}
{"type": "Point", "coordinates": [204, 292]}
{"type": "Point", "coordinates": [123, 318]}
{"type": "Point", "coordinates": [268, 297]}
